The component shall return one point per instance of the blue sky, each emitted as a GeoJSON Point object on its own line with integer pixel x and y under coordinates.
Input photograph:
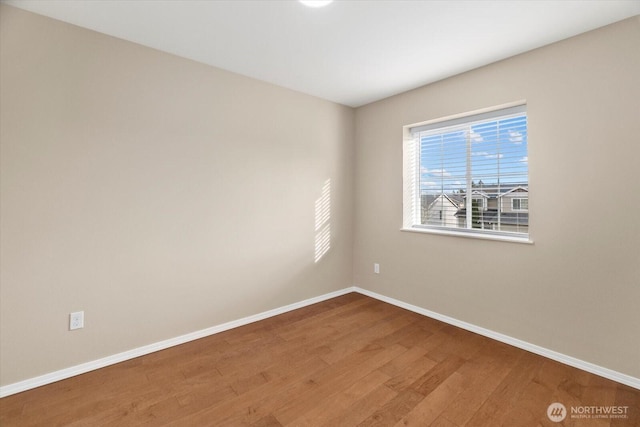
{"type": "Point", "coordinates": [498, 146]}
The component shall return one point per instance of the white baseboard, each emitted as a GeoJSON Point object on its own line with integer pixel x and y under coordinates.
{"type": "Point", "coordinates": [151, 348]}
{"type": "Point", "coordinates": [550, 354]}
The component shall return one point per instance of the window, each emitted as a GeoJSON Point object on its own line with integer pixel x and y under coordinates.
{"type": "Point", "coordinates": [520, 204]}
{"type": "Point", "coordinates": [483, 155]}
{"type": "Point", "coordinates": [478, 201]}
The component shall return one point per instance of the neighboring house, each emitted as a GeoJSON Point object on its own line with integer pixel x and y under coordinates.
{"type": "Point", "coordinates": [503, 208]}
{"type": "Point", "coordinates": [440, 209]}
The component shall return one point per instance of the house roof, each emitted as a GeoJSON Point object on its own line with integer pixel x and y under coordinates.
{"type": "Point", "coordinates": [484, 190]}
{"type": "Point", "coordinates": [493, 190]}
{"type": "Point", "coordinates": [481, 193]}
{"type": "Point", "coordinates": [430, 199]}
{"type": "Point", "coordinates": [508, 218]}
{"type": "Point", "coordinates": [518, 188]}
{"type": "Point", "coordinates": [490, 216]}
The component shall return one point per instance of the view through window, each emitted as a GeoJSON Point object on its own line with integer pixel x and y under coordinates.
{"type": "Point", "coordinates": [469, 174]}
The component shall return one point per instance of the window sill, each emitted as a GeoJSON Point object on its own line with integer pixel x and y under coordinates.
{"type": "Point", "coordinates": [495, 237]}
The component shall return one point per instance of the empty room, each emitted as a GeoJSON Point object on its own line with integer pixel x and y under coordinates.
{"type": "Point", "coordinates": [319, 213]}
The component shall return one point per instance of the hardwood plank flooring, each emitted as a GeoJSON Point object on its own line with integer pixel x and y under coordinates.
{"type": "Point", "coordinates": [348, 361]}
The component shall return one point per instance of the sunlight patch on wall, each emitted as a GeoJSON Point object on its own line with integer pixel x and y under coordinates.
{"type": "Point", "coordinates": [323, 222]}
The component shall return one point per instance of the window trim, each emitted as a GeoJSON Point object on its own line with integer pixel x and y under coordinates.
{"type": "Point", "coordinates": [471, 116]}
{"type": "Point", "coordinates": [470, 233]}
{"type": "Point", "coordinates": [513, 199]}
{"type": "Point", "coordinates": [411, 176]}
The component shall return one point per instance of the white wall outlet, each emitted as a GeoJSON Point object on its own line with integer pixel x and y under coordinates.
{"type": "Point", "coordinates": [76, 320]}
{"type": "Point", "coordinates": [376, 268]}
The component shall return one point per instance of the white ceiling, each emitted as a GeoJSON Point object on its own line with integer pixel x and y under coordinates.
{"type": "Point", "coordinates": [351, 52]}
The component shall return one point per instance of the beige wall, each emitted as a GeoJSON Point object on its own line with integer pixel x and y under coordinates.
{"type": "Point", "coordinates": [159, 195]}
{"type": "Point", "coordinates": [577, 289]}
{"type": "Point", "coordinates": [163, 196]}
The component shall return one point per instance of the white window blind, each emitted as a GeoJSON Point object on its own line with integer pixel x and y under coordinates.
{"type": "Point", "coordinates": [469, 174]}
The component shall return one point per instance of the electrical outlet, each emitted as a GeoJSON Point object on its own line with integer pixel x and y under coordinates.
{"type": "Point", "coordinates": [376, 268]}
{"type": "Point", "coordinates": [76, 320]}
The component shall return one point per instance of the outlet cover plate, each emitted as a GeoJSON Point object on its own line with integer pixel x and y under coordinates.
{"type": "Point", "coordinates": [76, 320]}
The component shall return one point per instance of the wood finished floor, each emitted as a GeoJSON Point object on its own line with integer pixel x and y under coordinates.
{"type": "Point", "coordinates": [348, 361]}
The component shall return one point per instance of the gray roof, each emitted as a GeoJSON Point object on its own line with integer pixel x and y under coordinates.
{"type": "Point", "coordinates": [491, 190]}
{"type": "Point", "coordinates": [490, 216]}
{"type": "Point", "coordinates": [428, 199]}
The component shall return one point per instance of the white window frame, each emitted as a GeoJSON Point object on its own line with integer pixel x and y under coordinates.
{"type": "Point", "coordinates": [519, 209]}
{"type": "Point", "coordinates": [411, 176]}
{"type": "Point", "coordinates": [483, 203]}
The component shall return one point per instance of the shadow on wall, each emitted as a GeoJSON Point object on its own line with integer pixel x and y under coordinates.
{"type": "Point", "coordinates": [323, 222]}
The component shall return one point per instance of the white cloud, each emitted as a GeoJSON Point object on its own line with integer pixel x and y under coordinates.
{"type": "Point", "coordinates": [525, 159]}
{"type": "Point", "coordinates": [439, 172]}
{"type": "Point", "coordinates": [429, 185]}
{"type": "Point", "coordinates": [515, 137]}
{"type": "Point", "coordinates": [476, 137]}
{"type": "Point", "coordinates": [487, 155]}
